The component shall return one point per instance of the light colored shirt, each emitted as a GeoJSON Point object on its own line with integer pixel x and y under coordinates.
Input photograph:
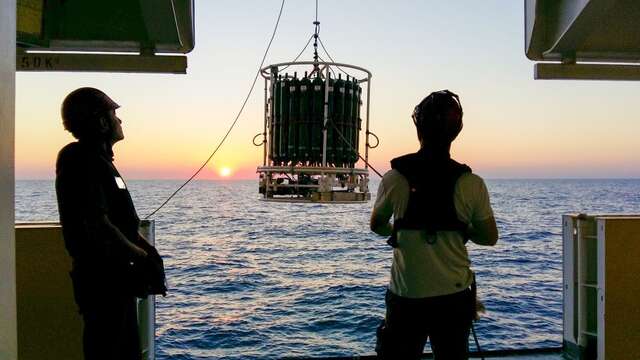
{"type": "Point", "coordinates": [424, 268]}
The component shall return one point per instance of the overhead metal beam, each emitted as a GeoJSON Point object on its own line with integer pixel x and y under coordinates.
{"type": "Point", "coordinates": [551, 71]}
{"type": "Point", "coordinates": [576, 20]}
{"type": "Point", "coordinates": [101, 63]}
{"type": "Point", "coordinates": [532, 38]}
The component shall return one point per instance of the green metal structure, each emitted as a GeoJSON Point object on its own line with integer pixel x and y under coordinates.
{"type": "Point", "coordinates": [77, 35]}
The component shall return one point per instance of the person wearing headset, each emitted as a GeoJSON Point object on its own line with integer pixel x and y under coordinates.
{"type": "Point", "coordinates": [99, 226]}
{"type": "Point", "coordinates": [437, 205]}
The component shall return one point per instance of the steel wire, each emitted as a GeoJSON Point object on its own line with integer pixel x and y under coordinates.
{"type": "Point", "coordinates": [233, 124]}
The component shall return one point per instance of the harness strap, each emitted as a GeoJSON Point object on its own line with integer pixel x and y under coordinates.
{"type": "Point", "coordinates": [432, 179]}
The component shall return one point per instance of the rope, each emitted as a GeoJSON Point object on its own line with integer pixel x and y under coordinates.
{"type": "Point", "coordinates": [299, 54]}
{"type": "Point", "coordinates": [329, 67]}
{"type": "Point", "coordinates": [316, 35]}
{"type": "Point", "coordinates": [475, 337]}
{"type": "Point", "coordinates": [244, 103]}
{"type": "Point", "coordinates": [352, 147]}
{"type": "Point", "coordinates": [330, 58]}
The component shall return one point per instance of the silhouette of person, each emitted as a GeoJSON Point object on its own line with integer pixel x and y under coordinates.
{"type": "Point", "coordinates": [100, 226]}
{"type": "Point", "coordinates": [437, 205]}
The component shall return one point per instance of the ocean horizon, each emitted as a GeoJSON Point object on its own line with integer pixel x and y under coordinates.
{"type": "Point", "coordinates": [258, 280]}
{"type": "Point", "coordinates": [373, 178]}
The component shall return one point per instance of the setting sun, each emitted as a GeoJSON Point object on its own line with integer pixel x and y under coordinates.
{"type": "Point", "coordinates": [225, 171]}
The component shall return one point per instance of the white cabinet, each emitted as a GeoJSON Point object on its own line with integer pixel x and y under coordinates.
{"type": "Point", "coordinates": [601, 286]}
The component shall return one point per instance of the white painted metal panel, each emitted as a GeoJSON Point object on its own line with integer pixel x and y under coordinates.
{"type": "Point", "coordinates": [147, 307]}
{"type": "Point", "coordinates": [101, 63]}
{"type": "Point", "coordinates": [602, 256]}
{"type": "Point", "coordinates": [8, 327]}
{"type": "Point", "coordinates": [551, 71]}
{"type": "Point", "coordinates": [580, 259]}
{"type": "Point", "coordinates": [569, 279]}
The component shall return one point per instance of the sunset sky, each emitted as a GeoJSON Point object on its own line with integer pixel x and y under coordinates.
{"type": "Point", "coordinates": [514, 126]}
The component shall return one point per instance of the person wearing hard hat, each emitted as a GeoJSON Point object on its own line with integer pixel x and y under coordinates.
{"type": "Point", "coordinates": [99, 225]}
{"type": "Point", "coordinates": [437, 205]}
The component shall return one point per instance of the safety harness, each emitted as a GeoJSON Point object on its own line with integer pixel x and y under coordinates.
{"type": "Point", "coordinates": [432, 178]}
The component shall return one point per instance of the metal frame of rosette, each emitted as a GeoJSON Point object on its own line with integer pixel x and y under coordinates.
{"type": "Point", "coordinates": [310, 156]}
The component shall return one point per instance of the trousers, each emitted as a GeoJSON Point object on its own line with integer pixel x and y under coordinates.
{"type": "Point", "coordinates": [444, 320]}
{"type": "Point", "coordinates": [110, 319]}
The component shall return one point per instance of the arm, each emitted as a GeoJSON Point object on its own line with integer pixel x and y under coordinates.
{"type": "Point", "coordinates": [484, 232]}
{"type": "Point", "coordinates": [483, 229]}
{"type": "Point", "coordinates": [379, 223]}
{"type": "Point", "coordinates": [382, 212]}
{"type": "Point", "coordinates": [114, 233]}
{"type": "Point", "coordinates": [143, 243]}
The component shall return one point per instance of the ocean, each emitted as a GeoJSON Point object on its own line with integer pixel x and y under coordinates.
{"type": "Point", "coordinates": [258, 280]}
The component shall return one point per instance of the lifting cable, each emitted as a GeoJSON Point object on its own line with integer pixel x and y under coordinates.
{"type": "Point", "coordinates": [233, 124]}
{"type": "Point", "coordinates": [327, 67]}
{"type": "Point", "coordinates": [475, 337]}
{"type": "Point", "coordinates": [316, 33]}
{"type": "Point", "coordinates": [348, 143]}
{"type": "Point", "coordinates": [330, 58]}
{"type": "Point", "coordinates": [299, 54]}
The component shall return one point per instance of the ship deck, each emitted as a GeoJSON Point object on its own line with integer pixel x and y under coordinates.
{"type": "Point", "coordinates": [516, 354]}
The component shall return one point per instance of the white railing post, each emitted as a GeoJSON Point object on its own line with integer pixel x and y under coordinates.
{"type": "Point", "coordinates": [147, 307]}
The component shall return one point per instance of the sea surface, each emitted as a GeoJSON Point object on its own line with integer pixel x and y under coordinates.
{"type": "Point", "coordinates": [258, 280]}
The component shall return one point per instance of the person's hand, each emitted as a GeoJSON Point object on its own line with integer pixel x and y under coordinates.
{"type": "Point", "coordinates": [137, 251]}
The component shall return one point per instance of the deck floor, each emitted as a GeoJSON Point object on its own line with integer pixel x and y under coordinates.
{"type": "Point", "coordinates": [528, 357]}
{"type": "Point", "coordinates": [541, 354]}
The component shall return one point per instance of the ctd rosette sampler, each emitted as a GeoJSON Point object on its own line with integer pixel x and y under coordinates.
{"type": "Point", "coordinates": [313, 122]}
